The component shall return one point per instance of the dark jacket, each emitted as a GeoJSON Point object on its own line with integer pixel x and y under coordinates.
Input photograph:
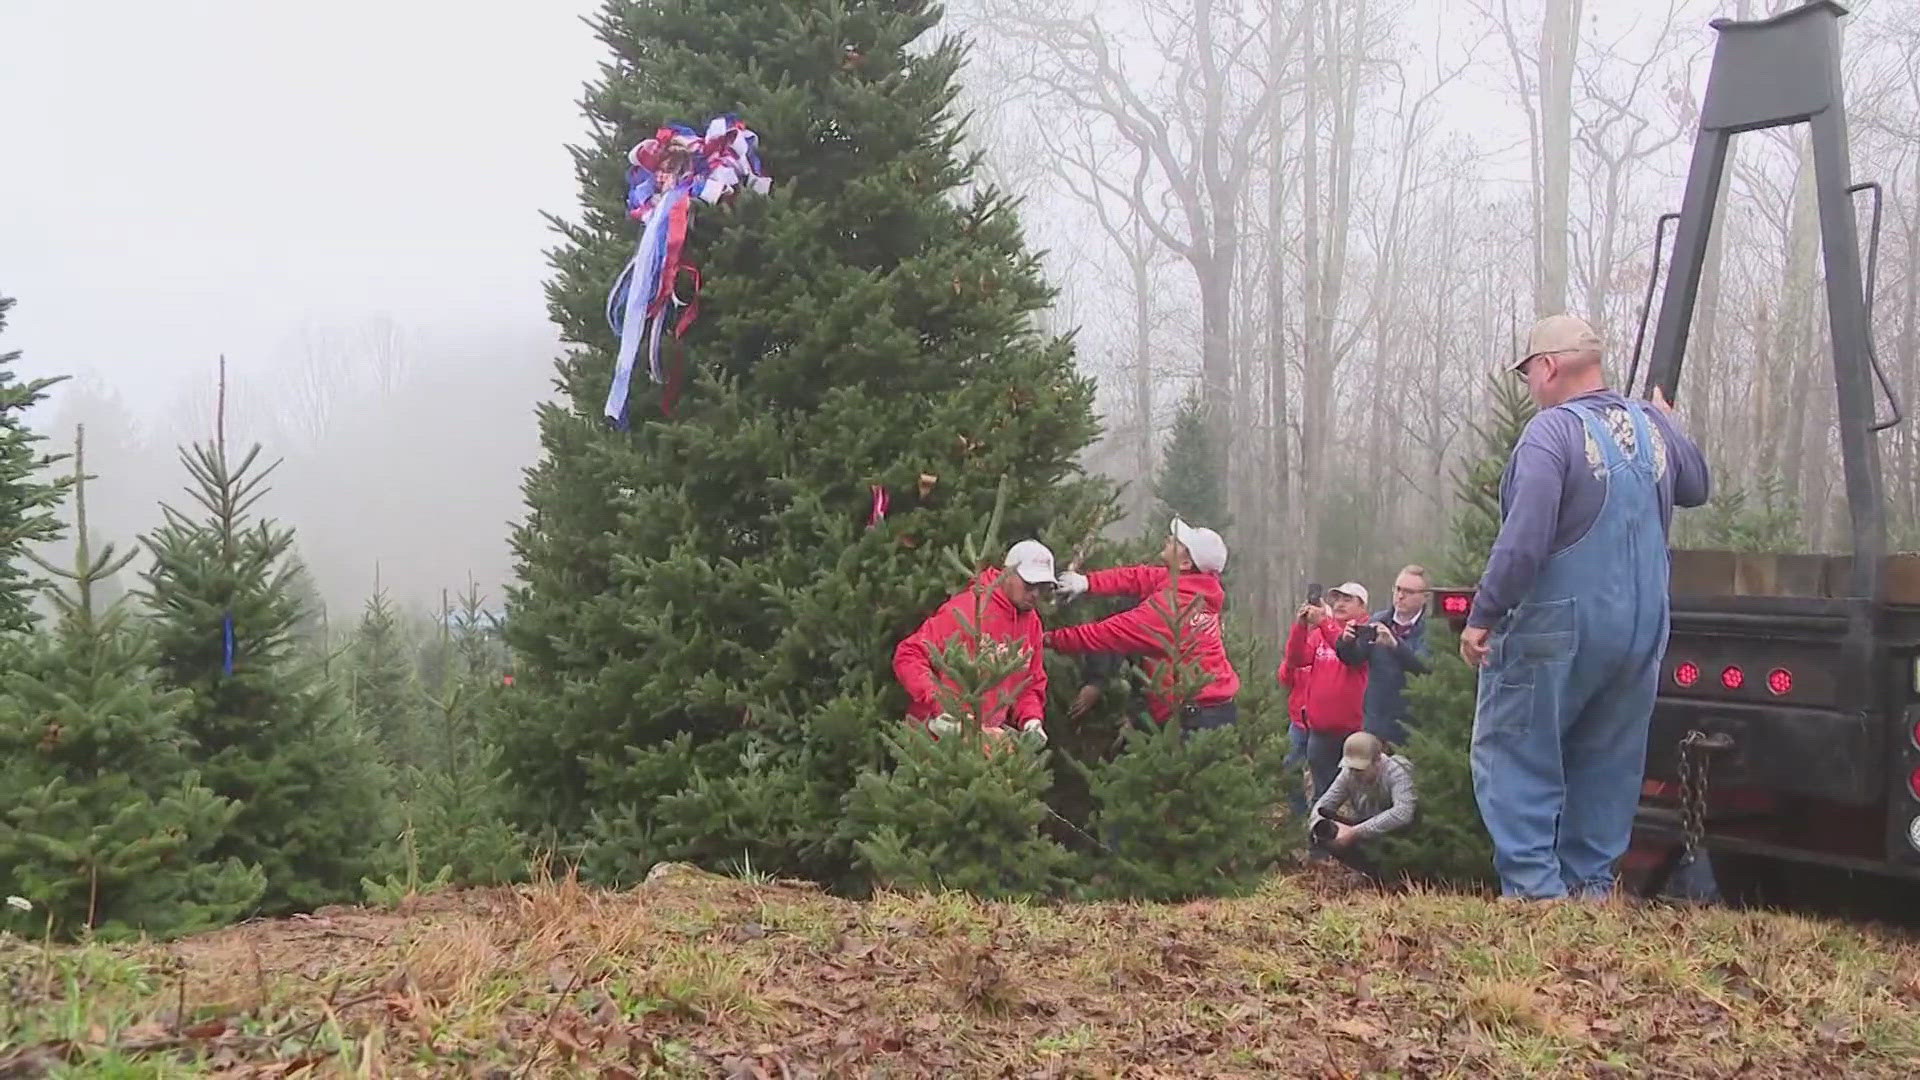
{"type": "Point", "coordinates": [1388, 668]}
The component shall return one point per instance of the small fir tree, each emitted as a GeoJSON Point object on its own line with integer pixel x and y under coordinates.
{"type": "Point", "coordinates": [1180, 815]}
{"type": "Point", "coordinates": [457, 823]}
{"type": "Point", "coordinates": [1190, 481]}
{"type": "Point", "coordinates": [267, 730]}
{"type": "Point", "coordinates": [1764, 518]}
{"type": "Point", "coordinates": [1450, 844]}
{"type": "Point", "coordinates": [380, 683]}
{"type": "Point", "coordinates": [29, 504]}
{"type": "Point", "coordinates": [107, 828]}
{"type": "Point", "coordinates": [964, 811]}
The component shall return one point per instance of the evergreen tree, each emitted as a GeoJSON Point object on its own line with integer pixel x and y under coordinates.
{"type": "Point", "coordinates": [457, 824]}
{"type": "Point", "coordinates": [1184, 815]}
{"type": "Point", "coordinates": [267, 729]}
{"type": "Point", "coordinates": [107, 827]}
{"type": "Point", "coordinates": [1765, 518]}
{"type": "Point", "coordinates": [1190, 482]}
{"type": "Point", "coordinates": [380, 684]}
{"type": "Point", "coordinates": [703, 622]}
{"type": "Point", "coordinates": [961, 812]}
{"type": "Point", "coordinates": [1450, 843]}
{"type": "Point", "coordinates": [29, 504]}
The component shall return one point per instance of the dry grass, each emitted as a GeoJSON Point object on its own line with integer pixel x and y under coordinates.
{"type": "Point", "coordinates": [697, 975]}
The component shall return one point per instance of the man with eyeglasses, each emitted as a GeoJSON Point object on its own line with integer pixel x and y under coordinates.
{"type": "Point", "coordinates": [1398, 649]}
{"type": "Point", "coordinates": [1570, 620]}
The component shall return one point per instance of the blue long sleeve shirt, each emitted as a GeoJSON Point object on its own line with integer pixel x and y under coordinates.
{"type": "Point", "coordinates": [1550, 495]}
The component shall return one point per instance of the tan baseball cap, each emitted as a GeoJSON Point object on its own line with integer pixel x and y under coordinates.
{"type": "Point", "coordinates": [1559, 334]}
{"type": "Point", "coordinates": [1360, 751]}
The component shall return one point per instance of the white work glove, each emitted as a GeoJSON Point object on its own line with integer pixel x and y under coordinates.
{"type": "Point", "coordinates": [943, 725]}
{"type": "Point", "coordinates": [1033, 732]}
{"type": "Point", "coordinates": [1071, 583]}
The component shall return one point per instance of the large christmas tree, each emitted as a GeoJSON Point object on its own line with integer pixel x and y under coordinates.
{"type": "Point", "coordinates": [106, 827]}
{"type": "Point", "coordinates": [709, 599]}
{"type": "Point", "coordinates": [267, 730]}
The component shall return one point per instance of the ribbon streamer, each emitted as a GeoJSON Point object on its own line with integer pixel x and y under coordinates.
{"type": "Point", "coordinates": [666, 174]}
{"type": "Point", "coordinates": [879, 512]}
{"type": "Point", "coordinates": [226, 643]}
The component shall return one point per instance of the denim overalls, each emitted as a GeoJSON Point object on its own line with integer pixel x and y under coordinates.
{"type": "Point", "coordinates": [1560, 725]}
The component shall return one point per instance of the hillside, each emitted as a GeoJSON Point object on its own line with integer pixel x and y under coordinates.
{"type": "Point", "coordinates": [696, 975]}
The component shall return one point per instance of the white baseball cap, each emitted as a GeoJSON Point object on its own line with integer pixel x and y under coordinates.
{"type": "Point", "coordinates": [1033, 561]}
{"type": "Point", "coordinates": [1204, 546]}
{"type": "Point", "coordinates": [1353, 589]}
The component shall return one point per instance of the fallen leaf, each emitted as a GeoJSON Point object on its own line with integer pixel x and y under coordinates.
{"type": "Point", "coordinates": [1354, 1027]}
{"type": "Point", "coordinates": [928, 1022]}
{"type": "Point", "coordinates": [560, 976]}
{"type": "Point", "coordinates": [206, 1029]}
{"type": "Point", "coordinates": [148, 1032]}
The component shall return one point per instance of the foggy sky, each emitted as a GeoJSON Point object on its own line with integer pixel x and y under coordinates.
{"type": "Point", "coordinates": [210, 177]}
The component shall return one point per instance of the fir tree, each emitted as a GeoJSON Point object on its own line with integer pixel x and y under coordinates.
{"type": "Point", "coordinates": [267, 730]}
{"type": "Point", "coordinates": [703, 621]}
{"type": "Point", "coordinates": [107, 829]}
{"type": "Point", "coordinates": [1189, 484]}
{"type": "Point", "coordinates": [1765, 518]}
{"type": "Point", "coordinates": [380, 685]}
{"type": "Point", "coordinates": [29, 504]}
{"type": "Point", "coordinates": [961, 812]}
{"type": "Point", "coordinates": [457, 826]}
{"type": "Point", "coordinates": [1450, 843]}
{"type": "Point", "coordinates": [1180, 815]}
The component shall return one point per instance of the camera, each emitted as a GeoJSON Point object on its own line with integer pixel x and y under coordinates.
{"type": "Point", "coordinates": [1365, 633]}
{"type": "Point", "coordinates": [1324, 830]}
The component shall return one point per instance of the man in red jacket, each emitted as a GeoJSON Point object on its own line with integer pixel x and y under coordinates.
{"type": "Point", "coordinates": [1187, 590]}
{"type": "Point", "coordinates": [1324, 641]}
{"type": "Point", "coordinates": [1000, 604]}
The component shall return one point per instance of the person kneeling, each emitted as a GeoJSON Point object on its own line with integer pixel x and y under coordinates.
{"type": "Point", "coordinates": [1373, 795]}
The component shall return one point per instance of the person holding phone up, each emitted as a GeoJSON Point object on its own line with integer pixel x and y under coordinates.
{"type": "Point", "coordinates": [1330, 640]}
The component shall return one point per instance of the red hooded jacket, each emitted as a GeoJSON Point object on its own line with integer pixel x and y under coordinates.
{"type": "Point", "coordinates": [1143, 629]}
{"type": "Point", "coordinates": [1331, 691]}
{"type": "Point", "coordinates": [998, 621]}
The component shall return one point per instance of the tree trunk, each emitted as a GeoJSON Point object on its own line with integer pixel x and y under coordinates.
{"type": "Point", "coordinates": [1559, 41]}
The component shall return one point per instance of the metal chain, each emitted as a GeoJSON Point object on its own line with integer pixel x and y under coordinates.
{"type": "Point", "coordinates": [1694, 761]}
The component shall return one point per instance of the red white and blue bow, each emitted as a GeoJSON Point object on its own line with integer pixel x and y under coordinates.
{"type": "Point", "coordinates": [665, 174]}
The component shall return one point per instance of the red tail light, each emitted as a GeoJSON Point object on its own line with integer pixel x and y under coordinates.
{"type": "Point", "coordinates": [1456, 604]}
{"type": "Point", "coordinates": [1779, 681]}
{"type": "Point", "coordinates": [1913, 782]}
{"type": "Point", "coordinates": [1916, 735]}
{"type": "Point", "coordinates": [1732, 677]}
{"type": "Point", "coordinates": [1686, 673]}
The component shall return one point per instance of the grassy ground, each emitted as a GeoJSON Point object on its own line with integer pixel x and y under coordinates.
{"type": "Point", "coordinates": [693, 975]}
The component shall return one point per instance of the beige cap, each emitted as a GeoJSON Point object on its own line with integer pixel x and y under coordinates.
{"type": "Point", "coordinates": [1361, 751]}
{"type": "Point", "coordinates": [1559, 334]}
{"type": "Point", "coordinates": [1353, 589]}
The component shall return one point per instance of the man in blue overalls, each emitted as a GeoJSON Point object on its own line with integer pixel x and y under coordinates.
{"type": "Point", "coordinates": [1570, 620]}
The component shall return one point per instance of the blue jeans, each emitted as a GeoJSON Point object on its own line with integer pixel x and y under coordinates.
{"type": "Point", "coordinates": [1566, 698]}
{"type": "Point", "coordinates": [1296, 760]}
{"type": "Point", "coordinates": [1324, 751]}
